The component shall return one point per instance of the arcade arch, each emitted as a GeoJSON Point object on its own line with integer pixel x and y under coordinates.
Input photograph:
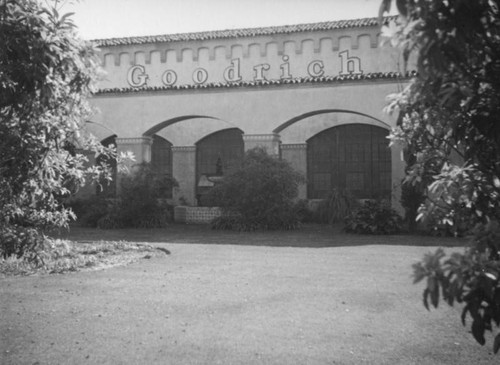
{"type": "Point", "coordinates": [189, 147]}
{"type": "Point", "coordinates": [338, 148]}
{"type": "Point", "coordinates": [99, 130]}
{"type": "Point", "coordinates": [189, 129]}
{"type": "Point", "coordinates": [302, 127]}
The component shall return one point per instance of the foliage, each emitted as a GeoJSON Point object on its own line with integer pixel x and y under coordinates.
{"type": "Point", "coordinates": [413, 193]}
{"type": "Point", "coordinates": [304, 212]}
{"type": "Point", "coordinates": [46, 74]}
{"type": "Point", "coordinates": [260, 194]}
{"type": "Point", "coordinates": [288, 220]}
{"type": "Point", "coordinates": [64, 256]}
{"type": "Point", "coordinates": [141, 202]}
{"type": "Point", "coordinates": [448, 118]}
{"type": "Point", "coordinates": [374, 217]}
{"type": "Point", "coordinates": [436, 222]}
{"type": "Point", "coordinates": [471, 278]}
{"type": "Point", "coordinates": [90, 210]}
{"type": "Point", "coordinates": [21, 241]}
{"type": "Point", "coordinates": [336, 207]}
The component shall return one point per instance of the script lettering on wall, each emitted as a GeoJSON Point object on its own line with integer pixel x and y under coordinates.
{"type": "Point", "coordinates": [169, 78]}
{"type": "Point", "coordinates": [232, 73]}
{"type": "Point", "coordinates": [137, 76]}
{"type": "Point", "coordinates": [259, 71]}
{"type": "Point", "coordinates": [316, 68]}
{"type": "Point", "coordinates": [200, 76]}
{"type": "Point", "coordinates": [349, 65]}
{"type": "Point", "coordinates": [285, 68]}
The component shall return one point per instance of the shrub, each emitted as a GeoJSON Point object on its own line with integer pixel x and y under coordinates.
{"type": "Point", "coordinates": [374, 217]}
{"type": "Point", "coordinates": [90, 210]}
{"type": "Point", "coordinates": [259, 195]}
{"type": "Point", "coordinates": [140, 204]}
{"type": "Point", "coordinates": [46, 77]}
{"type": "Point", "coordinates": [59, 256]}
{"type": "Point", "coordinates": [142, 198]}
{"type": "Point", "coordinates": [304, 212]}
{"type": "Point", "coordinates": [21, 241]}
{"type": "Point", "coordinates": [412, 196]}
{"type": "Point", "coordinates": [336, 207]}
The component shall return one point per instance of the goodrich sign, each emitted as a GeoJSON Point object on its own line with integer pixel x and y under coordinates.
{"type": "Point", "coordinates": [138, 76]}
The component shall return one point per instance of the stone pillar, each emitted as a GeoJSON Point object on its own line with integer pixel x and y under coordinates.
{"type": "Point", "coordinates": [184, 171]}
{"type": "Point", "coordinates": [270, 142]}
{"type": "Point", "coordinates": [398, 173]}
{"type": "Point", "coordinates": [296, 156]}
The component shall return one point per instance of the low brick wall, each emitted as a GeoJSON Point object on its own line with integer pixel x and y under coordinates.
{"type": "Point", "coordinates": [196, 215]}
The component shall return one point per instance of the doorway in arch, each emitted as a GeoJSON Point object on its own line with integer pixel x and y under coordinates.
{"type": "Point", "coordinates": [161, 160]}
{"type": "Point", "coordinates": [105, 187]}
{"type": "Point", "coordinates": [356, 157]}
{"type": "Point", "coordinates": [217, 155]}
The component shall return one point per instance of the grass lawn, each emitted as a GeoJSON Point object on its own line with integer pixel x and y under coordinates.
{"type": "Point", "coordinates": [310, 235]}
{"type": "Point", "coordinates": [316, 296]}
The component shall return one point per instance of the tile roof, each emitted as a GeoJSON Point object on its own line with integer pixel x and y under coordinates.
{"type": "Point", "coordinates": [297, 80]}
{"type": "Point", "coordinates": [244, 32]}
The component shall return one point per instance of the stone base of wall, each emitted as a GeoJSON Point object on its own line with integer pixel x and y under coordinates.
{"type": "Point", "coordinates": [196, 215]}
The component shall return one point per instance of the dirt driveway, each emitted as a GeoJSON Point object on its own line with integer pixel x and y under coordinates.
{"type": "Point", "coordinates": [230, 304]}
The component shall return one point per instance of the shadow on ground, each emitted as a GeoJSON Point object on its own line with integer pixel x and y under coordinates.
{"type": "Point", "coordinates": [309, 235]}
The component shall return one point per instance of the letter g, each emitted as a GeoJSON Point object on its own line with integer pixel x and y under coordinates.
{"type": "Point", "coordinates": [136, 76]}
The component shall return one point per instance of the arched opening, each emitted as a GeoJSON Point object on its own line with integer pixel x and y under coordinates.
{"type": "Point", "coordinates": [298, 118]}
{"type": "Point", "coordinates": [356, 157]}
{"type": "Point", "coordinates": [158, 127]}
{"type": "Point", "coordinates": [161, 159]}
{"type": "Point", "coordinates": [108, 188]}
{"type": "Point", "coordinates": [218, 154]}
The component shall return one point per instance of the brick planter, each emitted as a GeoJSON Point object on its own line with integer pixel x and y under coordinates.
{"type": "Point", "coordinates": [196, 215]}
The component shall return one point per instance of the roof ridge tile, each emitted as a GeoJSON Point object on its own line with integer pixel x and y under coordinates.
{"type": "Point", "coordinates": [242, 32]}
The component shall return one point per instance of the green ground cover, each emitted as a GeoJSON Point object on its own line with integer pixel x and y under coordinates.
{"type": "Point", "coordinates": [314, 296]}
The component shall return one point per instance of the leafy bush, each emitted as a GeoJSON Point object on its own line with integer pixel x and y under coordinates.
{"type": "Point", "coordinates": [451, 109]}
{"type": "Point", "coordinates": [90, 210]}
{"type": "Point", "coordinates": [236, 222]}
{"type": "Point", "coordinates": [140, 204]}
{"type": "Point", "coordinates": [374, 217]}
{"type": "Point", "coordinates": [440, 223]}
{"type": "Point", "coordinates": [46, 77]}
{"type": "Point", "coordinates": [412, 196]}
{"type": "Point", "coordinates": [21, 241]}
{"type": "Point", "coordinates": [472, 278]}
{"type": "Point", "coordinates": [304, 212]}
{"type": "Point", "coordinates": [142, 201]}
{"type": "Point", "coordinates": [59, 256]}
{"type": "Point", "coordinates": [259, 195]}
{"type": "Point", "coordinates": [336, 207]}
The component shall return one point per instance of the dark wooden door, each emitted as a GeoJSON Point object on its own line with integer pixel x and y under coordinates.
{"type": "Point", "coordinates": [354, 157]}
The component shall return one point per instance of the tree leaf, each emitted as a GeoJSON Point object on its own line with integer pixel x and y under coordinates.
{"type": "Point", "coordinates": [464, 314]}
{"type": "Point", "coordinates": [496, 343]}
{"type": "Point", "coordinates": [425, 297]}
{"type": "Point", "coordinates": [435, 295]}
{"type": "Point", "coordinates": [478, 329]}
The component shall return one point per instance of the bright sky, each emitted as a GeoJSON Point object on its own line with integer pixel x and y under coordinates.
{"type": "Point", "coordinates": [124, 18]}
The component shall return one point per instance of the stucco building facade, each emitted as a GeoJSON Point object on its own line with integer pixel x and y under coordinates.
{"type": "Point", "coordinates": [312, 94]}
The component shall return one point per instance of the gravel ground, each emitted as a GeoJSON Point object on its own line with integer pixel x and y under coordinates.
{"type": "Point", "coordinates": [232, 304]}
